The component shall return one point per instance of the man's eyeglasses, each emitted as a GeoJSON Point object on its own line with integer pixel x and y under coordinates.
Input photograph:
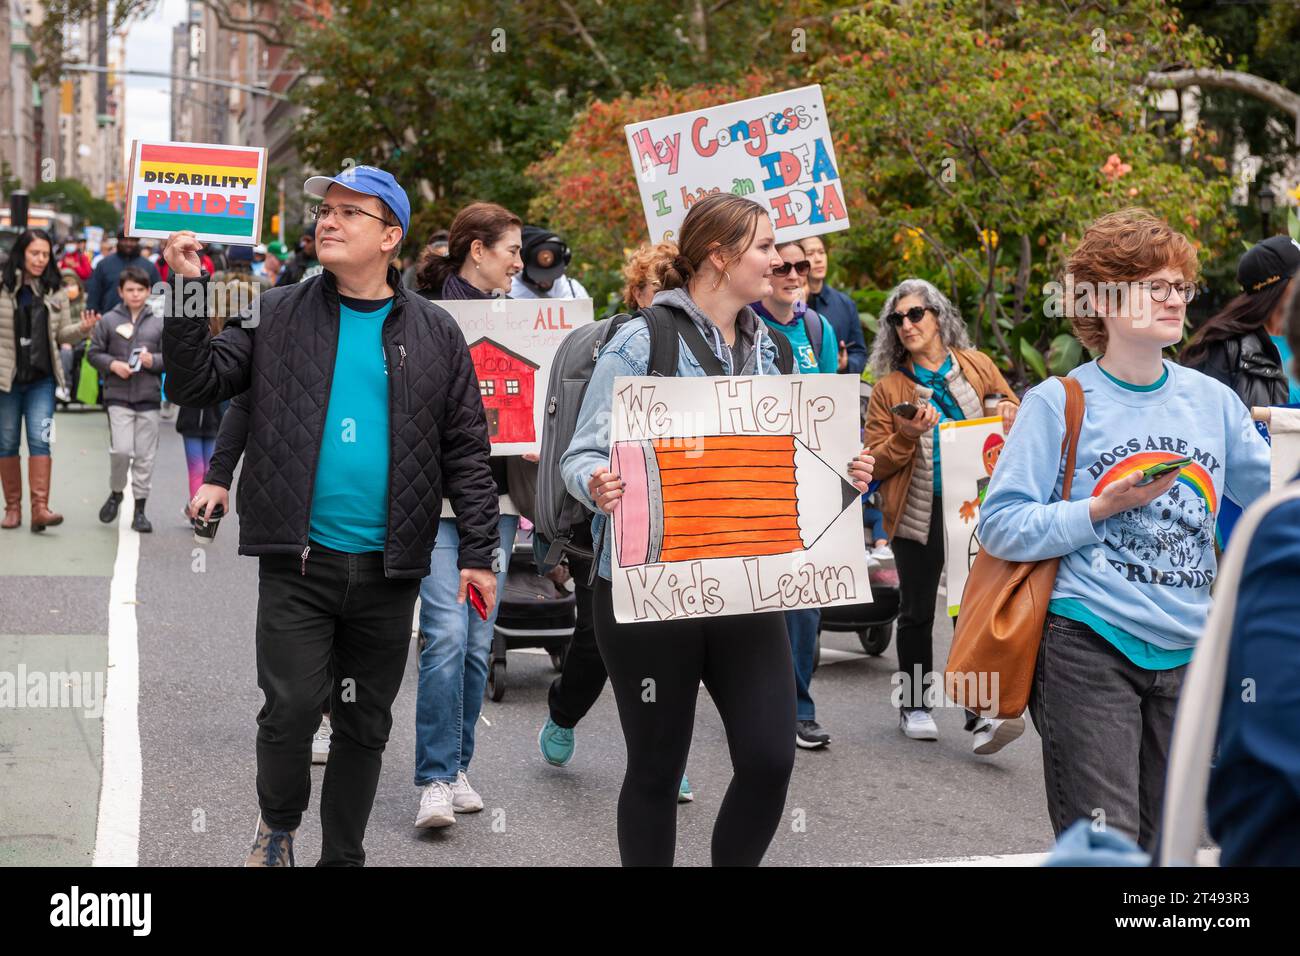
{"type": "Point", "coordinates": [346, 213]}
{"type": "Point", "coordinates": [801, 267]}
{"type": "Point", "coordinates": [914, 315]}
{"type": "Point", "coordinates": [1160, 289]}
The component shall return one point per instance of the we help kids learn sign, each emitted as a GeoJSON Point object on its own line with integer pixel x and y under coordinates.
{"type": "Point", "coordinates": [214, 191]}
{"type": "Point", "coordinates": [774, 149]}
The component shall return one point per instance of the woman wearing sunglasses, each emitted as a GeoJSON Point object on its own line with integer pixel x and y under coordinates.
{"type": "Point", "coordinates": [813, 341]}
{"type": "Point", "coordinates": [926, 373]}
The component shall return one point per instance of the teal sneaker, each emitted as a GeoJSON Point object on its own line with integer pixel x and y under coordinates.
{"type": "Point", "coordinates": [684, 794]}
{"type": "Point", "coordinates": [556, 743]}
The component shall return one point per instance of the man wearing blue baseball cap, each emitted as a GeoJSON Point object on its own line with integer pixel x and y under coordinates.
{"type": "Point", "coordinates": [363, 411]}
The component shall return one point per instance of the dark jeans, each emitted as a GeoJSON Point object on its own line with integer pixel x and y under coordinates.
{"type": "Point", "coordinates": [656, 669]}
{"type": "Point", "coordinates": [340, 632]}
{"type": "Point", "coordinates": [580, 683]}
{"type": "Point", "coordinates": [802, 627]}
{"type": "Point", "coordinates": [919, 567]}
{"type": "Point", "coordinates": [1105, 724]}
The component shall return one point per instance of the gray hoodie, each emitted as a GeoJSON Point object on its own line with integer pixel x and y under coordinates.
{"type": "Point", "coordinates": [749, 333]}
{"type": "Point", "coordinates": [143, 390]}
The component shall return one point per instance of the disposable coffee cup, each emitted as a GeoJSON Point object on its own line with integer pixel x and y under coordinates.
{"type": "Point", "coordinates": [205, 531]}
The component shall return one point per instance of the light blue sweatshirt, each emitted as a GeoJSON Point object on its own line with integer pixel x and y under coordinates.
{"type": "Point", "coordinates": [1145, 572]}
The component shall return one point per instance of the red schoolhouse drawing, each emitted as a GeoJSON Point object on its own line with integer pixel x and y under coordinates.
{"type": "Point", "coordinates": [506, 381]}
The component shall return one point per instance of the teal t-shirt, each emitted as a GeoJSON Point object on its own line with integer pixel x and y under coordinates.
{"type": "Point", "coordinates": [349, 505]}
{"type": "Point", "coordinates": [1284, 350]}
{"type": "Point", "coordinates": [806, 361]}
{"type": "Point", "coordinates": [1140, 652]}
{"type": "Point", "coordinates": [933, 380]}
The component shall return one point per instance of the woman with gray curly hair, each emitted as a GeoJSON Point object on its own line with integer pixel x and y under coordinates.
{"type": "Point", "coordinates": [926, 373]}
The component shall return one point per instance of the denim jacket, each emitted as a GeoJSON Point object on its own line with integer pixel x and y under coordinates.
{"type": "Point", "coordinates": [628, 353]}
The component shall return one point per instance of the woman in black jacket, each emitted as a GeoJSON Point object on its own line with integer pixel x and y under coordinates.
{"type": "Point", "coordinates": [1243, 346]}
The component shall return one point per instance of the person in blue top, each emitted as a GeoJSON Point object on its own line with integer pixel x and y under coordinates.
{"type": "Point", "coordinates": [815, 350]}
{"type": "Point", "coordinates": [836, 308]}
{"type": "Point", "coordinates": [1253, 803]}
{"type": "Point", "coordinates": [1132, 591]}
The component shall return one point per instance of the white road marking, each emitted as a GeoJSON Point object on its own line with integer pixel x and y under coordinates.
{"type": "Point", "coordinates": [117, 831]}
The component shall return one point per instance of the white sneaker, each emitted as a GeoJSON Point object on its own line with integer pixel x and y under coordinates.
{"type": "Point", "coordinates": [436, 806]}
{"type": "Point", "coordinates": [872, 561]}
{"type": "Point", "coordinates": [882, 553]}
{"type": "Point", "coordinates": [918, 724]}
{"type": "Point", "coordinates": [320, 741]}
{"type": "Point", "coordinates": [992, 735]}
{"type": "Point", "coordinates": [464, 798]}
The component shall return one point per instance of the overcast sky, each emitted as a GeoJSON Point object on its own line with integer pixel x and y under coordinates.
{"type": "Point", "coordinates": [148, 98]}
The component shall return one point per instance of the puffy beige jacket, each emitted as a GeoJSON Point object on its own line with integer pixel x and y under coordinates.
{"type": "Point", "coordinates": [64, 330]}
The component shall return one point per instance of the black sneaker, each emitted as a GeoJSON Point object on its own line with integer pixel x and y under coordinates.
{"type": "Point", "coordinates": [809, 735]}
{"type": "Point", "coordinates": [108, 513]}
{"type": "Point", "coordinates": [140, 523]}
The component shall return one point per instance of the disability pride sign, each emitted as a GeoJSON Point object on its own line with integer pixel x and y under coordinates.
{"type": "Point", "coordinates": [775, 149]}
{"type": "Point", "coordinates": [214, 191]}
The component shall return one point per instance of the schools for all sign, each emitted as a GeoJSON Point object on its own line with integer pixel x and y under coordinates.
{"type": "Point", "coordinates": [968, 453]}
{"type": "Point", "coordinates": [775, 149]}
{"type": "Point", "coordinates": [513, 344]}
{"type": "Point", "coordinates": [216, 192]}
{"type": "Point", "coordinates": [736, 497]}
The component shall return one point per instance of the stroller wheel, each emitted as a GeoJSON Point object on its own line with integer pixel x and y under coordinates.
{"type": "Point", "coordinates": [497, 680]}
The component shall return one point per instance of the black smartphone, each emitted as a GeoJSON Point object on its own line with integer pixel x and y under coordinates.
{"type": "Point", "coordinates": [905, 410]}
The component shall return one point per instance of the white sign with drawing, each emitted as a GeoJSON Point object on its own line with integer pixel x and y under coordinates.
{"type": "Point", "coordinates": [737, 497]}
{"type": "Point", "coordinates": [513, 344]}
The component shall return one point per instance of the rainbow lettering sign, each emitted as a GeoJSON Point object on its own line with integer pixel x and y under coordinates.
{"type": "Point", "coordinates": [214, 191]}
{"type": "Point", "coordinates": [775, 149]}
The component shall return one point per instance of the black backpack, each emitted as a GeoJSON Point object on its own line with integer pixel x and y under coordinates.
{"type": "Point", "coordinates": [559, 514]}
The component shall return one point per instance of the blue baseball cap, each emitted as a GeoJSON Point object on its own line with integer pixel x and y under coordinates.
{"type": "Point", "coordinates": [372, 182]}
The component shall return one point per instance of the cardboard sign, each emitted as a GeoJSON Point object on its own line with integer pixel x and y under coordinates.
{"type": "Point", "coordinates": [968, 453]}
{"type": "Point", "coordinates": [214, 191]}
{"type": "Point", "coordinates": [513, 343]}
{"type": "Point", "coordinates": [775, 149]}
{"type": "Point", "coordinates": [737, 497]}
{"type": "Point", "coordinates": [1284, 434]}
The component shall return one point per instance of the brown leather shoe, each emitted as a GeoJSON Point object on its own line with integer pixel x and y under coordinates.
{"type": "Point", "coordinates": [11, 475]}
{"type": "Point", "coordinates": [38, 477]}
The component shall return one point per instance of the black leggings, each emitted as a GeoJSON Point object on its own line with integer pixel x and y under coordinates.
{"type": "Point", "coordinates": [656, 669]}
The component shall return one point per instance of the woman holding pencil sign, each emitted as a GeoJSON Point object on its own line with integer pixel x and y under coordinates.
{"type": "Point", "coordinates": [727, 252]}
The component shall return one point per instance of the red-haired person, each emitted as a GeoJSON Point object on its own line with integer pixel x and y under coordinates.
{"type": "Point", "coordinates": [1160, 446]}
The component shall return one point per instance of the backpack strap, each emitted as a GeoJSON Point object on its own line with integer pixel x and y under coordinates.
{"type": "Point", "coordinates": [813, 329]}
{"type": "Point", "coordinates": [663, 340]}
{"type": "Point", "coordinates": [784, 353]}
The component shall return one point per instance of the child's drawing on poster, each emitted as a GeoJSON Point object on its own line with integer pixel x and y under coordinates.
{"type": "Point", "coordinates": [735, 499]}
{"type": "Point", "coordinates": [969, 452]}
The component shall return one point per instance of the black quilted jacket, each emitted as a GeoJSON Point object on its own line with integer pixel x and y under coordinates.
{"type": "Point", "coordinates": [284, 360]}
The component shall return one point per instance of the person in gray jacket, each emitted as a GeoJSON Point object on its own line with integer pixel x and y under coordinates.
{"type": "Point", "coordinates": [126, 346]}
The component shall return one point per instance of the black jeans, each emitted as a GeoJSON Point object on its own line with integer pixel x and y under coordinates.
{"type": "Point", "coordinates": [1106, 725]}
{"type": "Point", "coordinates": [341, 631]}
{"type": "Point", "coordinates": [919, 567]}
{"type": "Point", "coordinates": [578, 687]}
{"type": "Point", "coordinates": [656, 669]}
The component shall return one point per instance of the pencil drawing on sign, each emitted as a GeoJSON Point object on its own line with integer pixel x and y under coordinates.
{"type": "Point", "coordinates": [731, 502]}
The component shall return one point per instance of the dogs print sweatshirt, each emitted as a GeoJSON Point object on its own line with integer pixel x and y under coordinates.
{"type": "Point", "coordinates": [1140, 578]}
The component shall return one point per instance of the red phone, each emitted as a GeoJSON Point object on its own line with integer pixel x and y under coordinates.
{"type": "Point", "coordinates": [476, 599]}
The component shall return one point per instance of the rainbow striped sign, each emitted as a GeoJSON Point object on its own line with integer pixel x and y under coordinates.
{"type": "Point", "coordinates": [214, 191]}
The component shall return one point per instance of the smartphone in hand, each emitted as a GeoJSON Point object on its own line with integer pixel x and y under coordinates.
{"type": "Point", "coordinates": [476, 599]}
{"type": "Point", "coordinates": [905, 410]}
{"type": "Point", "coordinates": [1160, 469]}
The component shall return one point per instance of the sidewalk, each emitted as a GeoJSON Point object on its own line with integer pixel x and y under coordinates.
{"type": "Point", "coordinates": [54, 591]}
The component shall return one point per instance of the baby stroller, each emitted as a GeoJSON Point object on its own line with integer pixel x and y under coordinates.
{"type": "Point", "coordinates": [534, 612]}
